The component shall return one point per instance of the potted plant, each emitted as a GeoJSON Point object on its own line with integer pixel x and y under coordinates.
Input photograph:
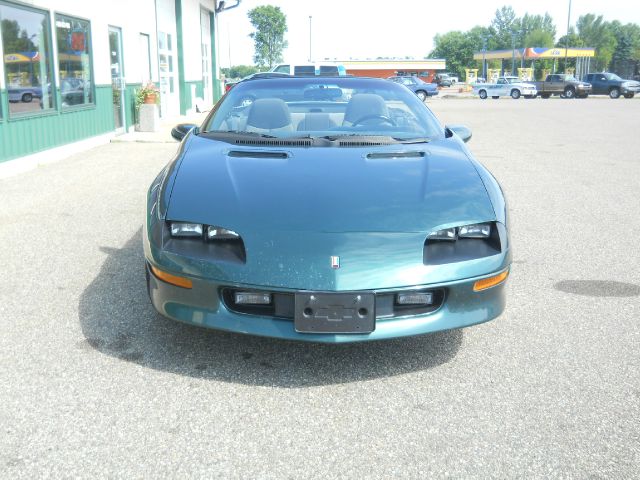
{"type": "Point", "coordinates": [149, 93]}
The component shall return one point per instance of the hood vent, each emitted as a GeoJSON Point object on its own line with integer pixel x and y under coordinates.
{"type": "Point", "coordinates": [257, 154]}
{"type": "Point", "coordinates": [374, 156]}
{"type": "Point", "coordinates": [365, 142]}
{"type": "Point", "coordinates": [276, 142]}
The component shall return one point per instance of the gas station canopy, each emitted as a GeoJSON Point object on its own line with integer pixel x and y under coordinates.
{"type": "Point", "coordinates": [534, 53]}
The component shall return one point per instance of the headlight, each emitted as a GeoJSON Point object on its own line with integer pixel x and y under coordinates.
{"type": "Point", "coordinates": [219, 233]}
{"type": "Point", "coordinates": [184, 229]}
{"type": "Point", "coordinates": [446, 234]}
{"type": "Point", "coordinates": [478, 230]}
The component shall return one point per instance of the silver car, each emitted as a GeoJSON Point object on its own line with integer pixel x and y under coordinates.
{"type": "Point", "coordinates": [506, 87]}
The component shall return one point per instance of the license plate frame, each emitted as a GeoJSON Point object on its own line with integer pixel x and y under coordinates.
{"type": "Point", "coordinates": [348, 313]}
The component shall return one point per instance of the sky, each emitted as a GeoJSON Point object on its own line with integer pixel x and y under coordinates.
{"type": "Point", "coordinates": [360, 29]}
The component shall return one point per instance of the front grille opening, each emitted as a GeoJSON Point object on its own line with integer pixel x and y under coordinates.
{"type": "Point", "coordinates": [283, 304]}
{"type": "Point", "coordinates": [387, 307]}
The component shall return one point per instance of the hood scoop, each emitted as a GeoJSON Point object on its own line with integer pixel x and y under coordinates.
{"type": "Point", "coordinates": [257, 154]}
{"type": "Point", "coordinates": [385, 155]}
{"type": "Point", "coordinates": [276, 142]}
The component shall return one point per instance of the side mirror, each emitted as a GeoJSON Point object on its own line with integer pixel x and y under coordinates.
{"type": "Point", "coordinates": [180, 131]}
{"type": "Point", "coordinates": [463, 132]}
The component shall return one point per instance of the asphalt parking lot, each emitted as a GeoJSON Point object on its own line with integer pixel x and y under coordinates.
{"type": "Point", "coordinates": [95, 384]}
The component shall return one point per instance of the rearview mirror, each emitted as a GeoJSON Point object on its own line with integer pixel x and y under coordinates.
{"type": "Point", "coordinates": [180, 131]}
{"type": "Point", "coordinates": [463, 132]}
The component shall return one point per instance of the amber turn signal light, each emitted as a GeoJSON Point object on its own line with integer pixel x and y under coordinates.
{"type": "Point", "coordinates": [172, 279]}
{"type": "Point", "coordinates": [490, 282]}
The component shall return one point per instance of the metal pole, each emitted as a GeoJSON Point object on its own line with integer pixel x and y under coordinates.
{"type": "Point", "coordinates": [310, 56]}
{"type": "Point", "coordinates": [566, 46]}
{"type": "Point", "coordinates": [513, 53]}
{"type": "Point", "coordinates": [484, 61]}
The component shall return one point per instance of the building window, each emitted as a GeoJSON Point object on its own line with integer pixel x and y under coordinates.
{"type": "Point", "coordinates": [73, 37]}
{"type": "Point", "coordinates": [27, 58]}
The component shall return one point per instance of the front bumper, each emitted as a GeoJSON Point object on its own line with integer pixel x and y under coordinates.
{"type": "Point", "coordinates": [202, 306]}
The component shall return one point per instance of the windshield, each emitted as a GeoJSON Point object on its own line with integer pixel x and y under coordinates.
{"type": "Point", "coordinates": [323, 107]}
{"type": "Point", "coordinates": [612, 76]}
{"type": "Point", "coordinates": [513, 79]}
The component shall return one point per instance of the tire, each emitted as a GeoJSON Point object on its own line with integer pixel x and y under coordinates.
{"type": "Point", "coordinates": [27, 97]}
{"type": "Point", "coordinates": [569, 93]}
{"type": "Point", "coordinates": [614, 93]}
{"type": "Point", "coordinates": [515, 94]}
{"type": "Point", "coordinates": [545, 95]}
{"type": "Point", "coordinates": [629, 95]}
{"type": "Point", "coordinates": [495, 97]}
{"type": "Point", "coordinates": [422, 95]}
{"type": "Point", "coordinates": [483, 94]}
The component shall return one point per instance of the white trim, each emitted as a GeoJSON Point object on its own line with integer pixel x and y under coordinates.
{"type": "Point", "coordinates": [29, 162]}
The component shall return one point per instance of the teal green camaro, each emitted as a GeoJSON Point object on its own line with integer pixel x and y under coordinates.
{"type": "Point", "coordinates": [325, 209]}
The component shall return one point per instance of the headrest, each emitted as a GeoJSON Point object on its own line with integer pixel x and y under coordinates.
{"type": "Point", "coordinates": [363, 105]}
{"type": "Point", "coordinates": [269, 113]}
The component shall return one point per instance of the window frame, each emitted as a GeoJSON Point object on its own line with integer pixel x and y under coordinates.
{"type": "Point", "coordinates": [54, 110]}
{"type": "Point", "coordinates": [89, 105]}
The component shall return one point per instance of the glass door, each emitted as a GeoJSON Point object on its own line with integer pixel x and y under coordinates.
{"type": "Point", "coordinates": [207, 74]}
{"type": "Point", "coordinates": [168, 82]}
{"type": "Point", "coordinates": [117, 77]}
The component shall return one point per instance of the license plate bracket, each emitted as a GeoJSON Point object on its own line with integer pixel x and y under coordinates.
{"type": "Point", "coordinates": [335, 312]}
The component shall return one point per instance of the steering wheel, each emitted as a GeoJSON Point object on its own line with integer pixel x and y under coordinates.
{"type": "Point", "coordinates": [374, 116]}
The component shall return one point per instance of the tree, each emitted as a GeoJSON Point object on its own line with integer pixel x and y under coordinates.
{"type": "Point", "coordinates": [503, 24]}
{"type": "Point", "coordinates": [271, 25]}
{"type": "Point", "coordinates": [597, 33]}
{"type": "Point", "coordinates": [538, 38]}
{"type": "Point", "coordinates": [457, 48]}
{"type": "Point", "coordinates": [238, 71]}
{"type": "Point", "coordinates": [544, 27]}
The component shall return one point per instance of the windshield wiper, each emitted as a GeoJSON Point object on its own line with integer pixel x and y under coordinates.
{"type": "Point", "coordinates": [237, 132]}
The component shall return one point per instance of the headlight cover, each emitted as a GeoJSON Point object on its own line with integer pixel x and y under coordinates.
{"type": "Point", "coordinates": [476, 230]}
{"type": "Point", "coordinates": [219, 233]}
{"type": "Point", "coordinates": [185, 229]}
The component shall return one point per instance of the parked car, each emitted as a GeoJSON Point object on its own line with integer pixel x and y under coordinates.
{"type": "Point", "coordinates": [452, 77]}
{"type": "Point", "coordinates": [418, 86]}
{"type": "Point", "coordinates": [326, 69]}
{"type": "Point", "coordinates": [354, 218]}
{"type": "Point", "coordinates": [442, 80]}
{"type": "Point", "coordinates": [505, 87]}
{"type": "Point", "coordinates": [23, 94]}
{"type": "Point", "coordinates": [230, 85]}
{"type": "Point", "coordinates": [612, 85]}
{"type": "Point", "coordinates": [565, 85]}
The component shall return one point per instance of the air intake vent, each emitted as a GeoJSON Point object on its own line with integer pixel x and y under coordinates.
{"type": "Point", "coordinates": [257, 154]}
{"type": "Point", "coordinates": [276, 142]}
{"type": "Point", "coordinates": [365, 142]}
{"type": "Point", "coordinates": [374, 156]}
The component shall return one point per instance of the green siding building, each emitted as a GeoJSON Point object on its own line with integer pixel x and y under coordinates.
{"type": "Point", "coordinates": [70, 69]}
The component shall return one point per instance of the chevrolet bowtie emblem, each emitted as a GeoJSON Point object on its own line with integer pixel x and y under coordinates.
{"type": "Point", "coordinates": [335, 262]}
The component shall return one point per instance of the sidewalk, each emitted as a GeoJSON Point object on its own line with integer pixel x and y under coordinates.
{"type": "Point", "coordinates": [163, 135]}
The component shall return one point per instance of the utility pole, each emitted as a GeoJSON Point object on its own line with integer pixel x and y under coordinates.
{"type": "Point", "coordinates": [310, 56]}
{"type": "Point", "coordinates": [513, 53]}
{"type": "Point", "coordinates": [566, 44]}
{"type": "Point", "coordinates": [484, 61]}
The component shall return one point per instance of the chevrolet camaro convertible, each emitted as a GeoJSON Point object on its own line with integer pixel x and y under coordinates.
{"type": "Point", "coordinates": [326, 209]}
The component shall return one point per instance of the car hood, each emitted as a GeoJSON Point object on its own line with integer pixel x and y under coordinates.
{"type": "Point", "coordinates": [328, 189]}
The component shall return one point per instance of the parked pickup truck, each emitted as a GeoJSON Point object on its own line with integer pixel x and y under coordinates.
{"type": "Point", "coordinates": [612, 85]}
{"type": "Point", "coordinates": [505, 87]}
{"type": "Point", "coordinates": [567, 86]}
